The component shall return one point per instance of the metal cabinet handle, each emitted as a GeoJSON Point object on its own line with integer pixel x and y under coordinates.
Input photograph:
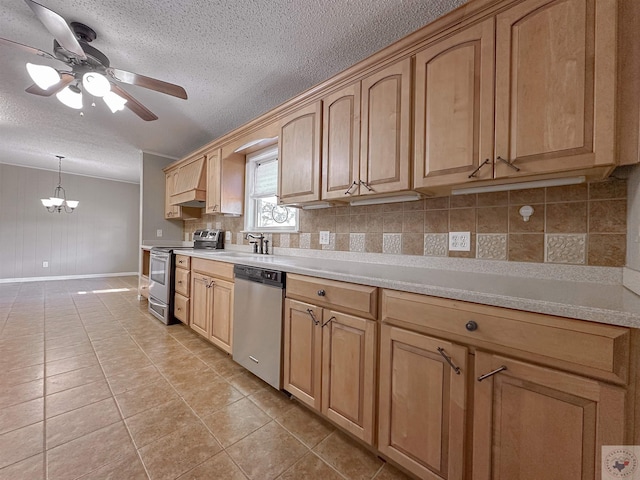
{"type": "Point", "coordinates": [490, 374]}
{"type": "Point", "coordinates": [348, 192]}
{"type": "Point", "coordinates": [475, 172]}
{"type": "Point", "coordinates": [366, 185]}
{"type": "Point", "coordinates": [448, 360]}
{"type": "Point", "coordinates": [180, 262]}
{"type": "Point", "coordinates": [313, 317]}
{"type": "Point", "coordinates": [471, 326]}
{"type": "Point", "coordinates": [510, 164]}
{"type": "Point", "coordinates": [328, 322]}
{"type": "Point", "coordinates": [321, 293]}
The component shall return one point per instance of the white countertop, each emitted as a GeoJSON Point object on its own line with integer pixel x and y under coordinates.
{"type": "Point", "coordinates": [605, 302]}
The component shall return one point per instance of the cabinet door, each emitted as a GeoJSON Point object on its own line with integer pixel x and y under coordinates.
{"type": "Point", "coordinates": [555, 86]}
{"type": "Point", "coordinates": [349, 372]}
{"type": "Point", "coordinates": [170, 211]}
{"type": "Point", "coordinates": [533, 422]}
{"type": "Point", "coordinates": [386, 129]}
{"type": "Point", "coordinates": [212, 204]}
{"type": "Point", "coordinates": [200, 301]}
{"type": "Point", "coordinates": [454, 108]}
{"type": "Point", "coordinates": [422, 403]}
{"type": "Point", "coordinates": [341, 143]}
{"type": "Point", "coordinates": [302, 351]}
{"type": "Point", "coordinates": [222, 314]}
{"type": "Point", "coordinates": [299, 156]}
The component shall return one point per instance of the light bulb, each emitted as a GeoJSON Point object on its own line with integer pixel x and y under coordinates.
{"type": "Point", "coordinates": [96, 84]}
{"type": "Point", "coordinates": [43, 75]}
{"type": "Point", "coordinates": [70, 98]}
{"type": "Point", "coordinates": [114, 101]}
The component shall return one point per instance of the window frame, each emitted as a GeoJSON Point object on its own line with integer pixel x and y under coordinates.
{"type": "Point", "coordinates": [251, 211]}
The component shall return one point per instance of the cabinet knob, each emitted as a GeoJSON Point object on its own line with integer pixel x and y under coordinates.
{"type": "Point", "coordinates": [321, 293]}
{"type": "Point", "coordinates": [180, 282]}
{"type": "Point", "coordinates": [471, 326]}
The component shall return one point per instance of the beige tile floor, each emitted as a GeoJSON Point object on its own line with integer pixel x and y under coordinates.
{"type": "Point", "coordinates": [92, 387]}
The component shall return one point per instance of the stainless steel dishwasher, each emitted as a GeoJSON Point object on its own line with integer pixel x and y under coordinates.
{"type": "Point", "coordinates": [257, 321]}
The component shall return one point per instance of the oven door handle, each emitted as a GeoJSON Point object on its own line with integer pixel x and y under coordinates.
{"type": "Point", "coordinates": [157, 304]}
{"type": "Point", "coordinates": [160, 256]}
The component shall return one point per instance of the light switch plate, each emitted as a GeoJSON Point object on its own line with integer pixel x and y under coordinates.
{"type": "Point", "coordinates": [459, 241]}
{"type": "Point", "coordinates": [45, 264]}
{"type": "Point", "coordinates": [227, 236]}
{"type": "Point", "coordinates": [324, 237]}
{"type": "Point", "coordinates": [159, 232]}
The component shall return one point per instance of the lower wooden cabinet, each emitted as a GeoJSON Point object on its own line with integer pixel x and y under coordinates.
{"type": "Point", "coordinates": [533, 422]}
{"type": "Point", "coordinates": [422, 407]}
{"type": "Point", "coordinates": [212, 309]}
{"type": "Point", "coordinates": [329, 364]}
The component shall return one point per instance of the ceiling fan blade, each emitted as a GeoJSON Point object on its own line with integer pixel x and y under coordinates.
{"type": "Point", "coordinates": [135, 106]}
{"type": "Point", "coordinates": [66, 79]}
{"type": "Point", "coordinates": [147, 82]}
{"type": "Point", "coordinates": [26, 48]}
{"type": "Point", "coordinates": [59, 28]}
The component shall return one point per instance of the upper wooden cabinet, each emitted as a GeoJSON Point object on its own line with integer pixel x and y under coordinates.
{"type": "Point", "coordinates": [299, 155]}
{"type": "Point", "coordinates": [341, 142]}
{"type": "Point", "coordinates": [366, 135]}
{"type": "Point", "coordinates": [170, 211]}
{"type": "Point", "coordinates": [385, 114]}
{"type": "Point", "coordinates": [454, 108]}
{"type": "Point", "coordinates": [225, 183]}
{"type": "Point", "coordinates": [555, 86]}
{"type": "Point", "coordinates": [554, 95]}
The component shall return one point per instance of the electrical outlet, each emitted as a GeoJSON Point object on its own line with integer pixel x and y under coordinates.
{"type": "Point", "coordinates": [227, 236]}
{"type": "Point", "coordinates": [459, 241]}
{"type": "Point", "coordinates": [159, 232]}
{"type": "Point", "coordinates": [45, 264]}
{"type": "Point", "coordinates": [324, 237]}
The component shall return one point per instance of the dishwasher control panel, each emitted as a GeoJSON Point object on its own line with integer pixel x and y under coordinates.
{"type": "Point", "coordinates": [260, 275]}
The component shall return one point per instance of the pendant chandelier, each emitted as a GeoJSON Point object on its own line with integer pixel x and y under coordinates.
{"type": "Point", "coordinates": [59, 201]}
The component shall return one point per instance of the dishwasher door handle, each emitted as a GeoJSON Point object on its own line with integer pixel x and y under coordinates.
{"type": "Point", "coordinates": [254, 359]}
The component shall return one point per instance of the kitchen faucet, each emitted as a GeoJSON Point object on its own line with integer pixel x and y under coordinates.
{"type": "Point", "coordinates": [261, 241]}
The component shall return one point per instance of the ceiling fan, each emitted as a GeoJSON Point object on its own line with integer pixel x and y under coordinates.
{"type": "Point", "coordinates": [90, 69]}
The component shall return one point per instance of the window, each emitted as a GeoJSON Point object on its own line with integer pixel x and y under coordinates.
{"type": "Point", "coordinates": [263, 212]}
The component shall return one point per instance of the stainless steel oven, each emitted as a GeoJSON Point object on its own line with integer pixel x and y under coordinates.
{"type": "Point", "coordinates": [160, 284]}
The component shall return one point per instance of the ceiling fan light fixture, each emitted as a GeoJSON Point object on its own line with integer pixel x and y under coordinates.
{"type": "Point", "coordinates": [114, 101]}
{"type": "Point", "coordinates": [96, 84]}
{"type": "Point", "coordinates": [43, 75]}
{"type": "Point", "coordinates": [71, 98]}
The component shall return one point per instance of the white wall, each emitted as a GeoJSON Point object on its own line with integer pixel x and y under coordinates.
{"type": "Point", "coordinates": [152, 180]}
{"type": "Point", "coordinates": [100, 237]}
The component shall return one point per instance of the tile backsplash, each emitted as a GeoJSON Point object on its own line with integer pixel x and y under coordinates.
{"type": "Point", "coordinates": [578, 224]}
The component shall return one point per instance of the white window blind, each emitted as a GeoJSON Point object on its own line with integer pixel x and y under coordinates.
{"type": "Point", "coordinates": [266, 179]}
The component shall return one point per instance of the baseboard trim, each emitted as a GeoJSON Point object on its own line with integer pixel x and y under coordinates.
{"type": "Point", "coordinates": [66, 277]}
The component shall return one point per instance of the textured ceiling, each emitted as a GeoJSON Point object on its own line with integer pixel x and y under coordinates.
{"type": "Point", "coordinates": [236, 60]}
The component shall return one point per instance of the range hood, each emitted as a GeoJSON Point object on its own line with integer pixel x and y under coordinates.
{"type": "Point", "coordinates": [190, 184]}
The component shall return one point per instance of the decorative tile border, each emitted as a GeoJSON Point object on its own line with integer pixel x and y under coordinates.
{"type": "Point", "coordinates": [356, 242]}
{"type": "Point", "coordinates": [565, 248]}
{"type": "Point", "coordinates": [392, 243]}
{"type": "Point", "coordinates": [490, 246]}
{"type": "Point", "coordinates": [305, 240]}
{"type": "Point", "coordinates": [436, 244]}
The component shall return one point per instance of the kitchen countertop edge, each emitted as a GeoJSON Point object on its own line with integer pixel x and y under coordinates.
{"type": "Point", "coordinates": [524, 293]}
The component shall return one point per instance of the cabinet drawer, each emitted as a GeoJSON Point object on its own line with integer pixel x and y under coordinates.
{"type": "Point", "coordinates": [586, 347]}
{"type": "Point", "coordinates": [181, 308]}
{"type": "Point", "coordinates": [182, 261]}
{"type": "Point", "coordinates": [215, 269]}
{"type": "Point", "coordinates": [346, 297]}
{"type": "Point", "coordinates": [182, 281]}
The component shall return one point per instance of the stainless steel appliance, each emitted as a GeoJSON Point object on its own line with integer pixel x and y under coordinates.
{"type": "Point", "coordinates": [161, 278]}
{"type": "Point", "coordinates": [208, 239]}
{"type": "Point", "coordinates": [257, 322]}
